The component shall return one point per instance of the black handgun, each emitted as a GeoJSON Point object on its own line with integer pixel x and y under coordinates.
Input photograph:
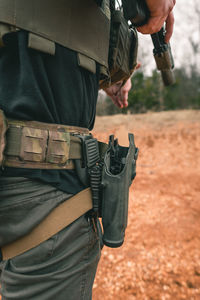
{"type": "Point", "coordinates": [138, 12]}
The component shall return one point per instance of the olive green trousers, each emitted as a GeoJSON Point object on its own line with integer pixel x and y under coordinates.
{"type": "Point", "coordinates": [61, 268]}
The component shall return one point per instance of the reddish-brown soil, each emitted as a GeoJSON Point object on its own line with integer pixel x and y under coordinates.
{"type": "Point", "coordinates": [160, 258]}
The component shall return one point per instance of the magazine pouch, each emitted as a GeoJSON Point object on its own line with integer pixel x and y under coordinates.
{"type": "Point", "coordinates": [119, 170]}
{"type": "Point", "coordinates": [123, 46]}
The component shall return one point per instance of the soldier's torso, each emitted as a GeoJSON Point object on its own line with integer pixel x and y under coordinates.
{"type": "Point", "coordinates": [80, 25]}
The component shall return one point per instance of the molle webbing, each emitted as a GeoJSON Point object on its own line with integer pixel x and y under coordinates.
{"type": "Point", "coordinates": [76, 24]}
{"type": "Point", "coordinates": [37, 145]}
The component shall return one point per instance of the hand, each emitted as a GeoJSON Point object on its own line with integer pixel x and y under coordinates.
{"type": "Point", "coordinates": [160, 12]}
{"type": "Point", "coordinates": [119, 93]}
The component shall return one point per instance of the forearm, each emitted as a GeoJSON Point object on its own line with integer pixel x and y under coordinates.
{"type": "Point", "coordinates": [160, 12]}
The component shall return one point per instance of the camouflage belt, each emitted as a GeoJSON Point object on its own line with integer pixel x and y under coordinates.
{"type": "Point", "coordinates": [30, 144]}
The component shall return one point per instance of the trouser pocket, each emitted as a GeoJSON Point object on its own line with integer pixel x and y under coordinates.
{"type": "Point", "coordinates": [24, 203]}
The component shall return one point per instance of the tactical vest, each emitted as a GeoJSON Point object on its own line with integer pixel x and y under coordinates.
{"type": "Point", "coordinates": [80, 25]}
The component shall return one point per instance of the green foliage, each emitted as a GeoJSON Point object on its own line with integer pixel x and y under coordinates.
{"type": "Point", "coordinates": [145, 93]}
{"type": "Point", "coordinates": [148, 93]}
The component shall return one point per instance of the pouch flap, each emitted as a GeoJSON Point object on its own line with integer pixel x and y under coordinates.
{"type": "Point", "coordinates": [39, 43]}
{"type": "Point", "coordinates": [86, 63]}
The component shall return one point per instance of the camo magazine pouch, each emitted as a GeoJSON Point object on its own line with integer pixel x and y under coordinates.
{"type": "Point", "coordinates": [123, 48]}
{"type": "Point", "coordinates": [3, 128]}
{"type": "Point", "coordinates": [119, 170]}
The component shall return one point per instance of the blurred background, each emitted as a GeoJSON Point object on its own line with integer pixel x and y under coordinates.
{"type": "Point", "coordinates": [160, 258]}
{"type": "Point", "coordinates": [147, 91]}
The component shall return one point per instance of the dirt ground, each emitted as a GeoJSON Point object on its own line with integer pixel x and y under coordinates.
{"type": "Point", "coordinates": [160, 258]}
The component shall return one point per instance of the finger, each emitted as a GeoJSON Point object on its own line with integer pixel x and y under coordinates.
{"type": "Point", "coordinates": [113, 89]}
{"type": "Point", "coordinates": [169, 26]}
{"type": "Point", "coordinates": [154, 25]}
{"type": "Point", "coordinates": [123, 98]}
{"type": "Point", "coordinates": [117, 101]}
{"type": "Point", "coordinates": [138, 65]}
{"type": "Point", "coordinates": [123, 93]}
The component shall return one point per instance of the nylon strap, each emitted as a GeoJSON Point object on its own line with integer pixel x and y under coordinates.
{"type": "Point", "coordinates": [58, 219]}
{"type": "Point", "coordinates": [28, 145]}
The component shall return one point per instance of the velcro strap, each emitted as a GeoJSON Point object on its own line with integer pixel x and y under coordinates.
{"type": "Point", "coordinates": [42, 146]}
{"type": "Point", "coordinates": [58, 219]}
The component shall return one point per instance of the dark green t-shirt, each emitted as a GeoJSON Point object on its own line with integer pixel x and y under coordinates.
{"type": "Point", "coordinates": [53, 89]}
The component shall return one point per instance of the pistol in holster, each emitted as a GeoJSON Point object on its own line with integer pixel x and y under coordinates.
{"type": "Point", "coordinates": [110, 172]}
{"type": "Point", "coordinates": [107, 168]}
{"type": "Point", "coordinates": [119, 170]}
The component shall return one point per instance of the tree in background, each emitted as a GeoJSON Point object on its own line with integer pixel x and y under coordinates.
{"type": "Point", "coordinates": [149, 94]}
